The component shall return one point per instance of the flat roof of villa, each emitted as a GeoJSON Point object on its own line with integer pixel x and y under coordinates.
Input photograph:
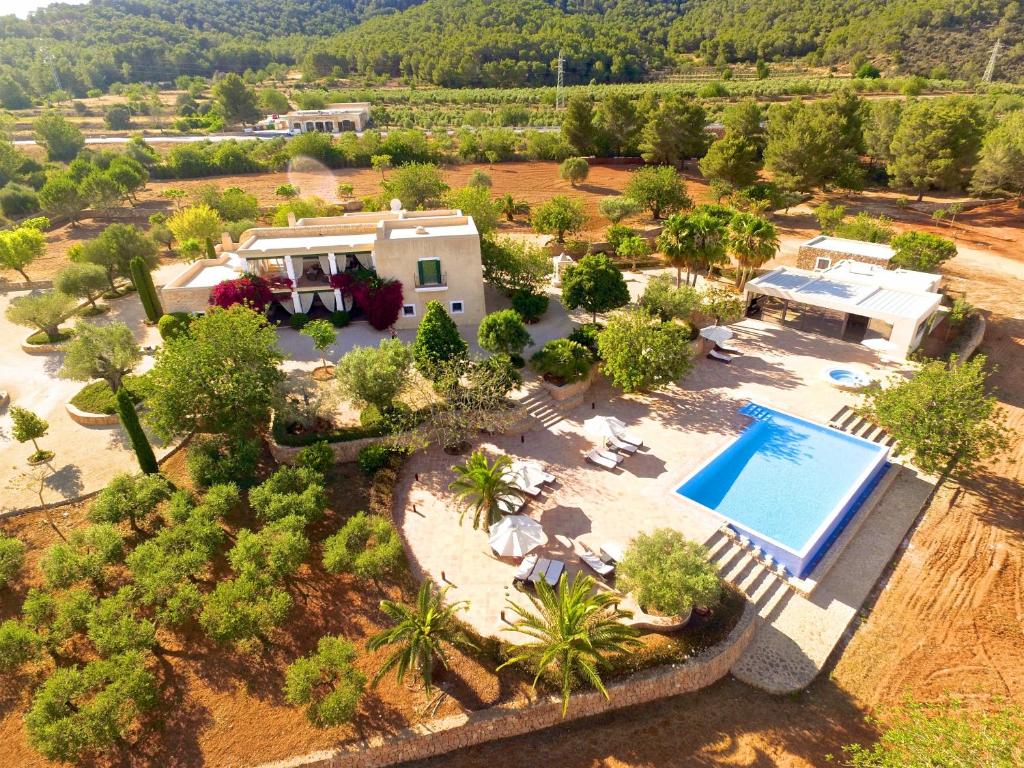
{"type": "Point", "coordinates": [359, 231]}
{"type": "Point", "coordinates": [879, 251]}
{"type": "Point", "coordinates": [862, 295]}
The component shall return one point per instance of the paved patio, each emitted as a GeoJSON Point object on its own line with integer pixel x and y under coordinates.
{"type": "Point", "coordinates": [681, 427]}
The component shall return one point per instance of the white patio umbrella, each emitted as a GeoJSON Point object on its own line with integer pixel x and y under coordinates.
{"type": "Point", "coordinates": [516, 535]}
{"type": "Point", "coordinates": [600, 427]}
{"type": "Point", "coordinates": [716, 333]}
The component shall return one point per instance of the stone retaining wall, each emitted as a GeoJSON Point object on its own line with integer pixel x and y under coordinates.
{"type": "Point", "coordinates": [567, 391]}
{"type": "Point", "coordinates": [41, 349]}
{"type": "Point", "coordinates": [347, 451]}
{"type": "Point", "coordinates": [448, 734]}
{"type": "Point", "coordinates": [87, 419]}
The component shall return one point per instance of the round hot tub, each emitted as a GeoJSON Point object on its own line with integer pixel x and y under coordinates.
{"type": "Point", "coordinates": [845, 377]}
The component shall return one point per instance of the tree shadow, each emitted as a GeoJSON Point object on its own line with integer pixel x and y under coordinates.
{"type": "Point", "coordinates": [66, 480]}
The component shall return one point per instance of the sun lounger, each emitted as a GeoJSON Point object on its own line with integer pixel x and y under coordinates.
{"type": "Point", "coordinates": [595, 563]}
{"type": "Point", "coordinates": [525, 569]}
{"type": "Point", "coordinates": [554, 572]}
{"type": "Point", "coordinates": [622, 434]}
{"type": "Point", "coordinates": [532, 473]}
{"type": "Point", "coordinates": [727, 350]}
{"type": "Point", "coordinates": [714, 355]}
{"type": "Point", "coordinates": [604, 459]}
{"type": "Point", "coordinates": [512, 504]}
{"type": "Point", "coordinates": [611, 552]}
{"type": "Point", "coordinates": [621, 445]}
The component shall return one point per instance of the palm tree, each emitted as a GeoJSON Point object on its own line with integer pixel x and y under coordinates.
{"type": "Point", "coordinates": [753, 240]}
{"type": "Point", "coordinates": [419, 634]}
{"type": "Point", "coordinates": [509, 207]}
{"type": "Point", "coordinates": [576, 629]}
{"type": "Point", "coordinates": [485, 489]}
{"type": "Point", "coordinates": [693, 241]}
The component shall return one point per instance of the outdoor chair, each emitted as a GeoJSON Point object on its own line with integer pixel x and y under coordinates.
{"type": "Point", "coordinates": [621, 445]}
{"type": "Point", "coordinates": [619, 428]}
{"type": "Point", "coordinates": [604, 459]}
{"type": "Point", "coordinates": [595, 563]}
{"type": "Point", "coordinates": [525, 569]}
{"type": "Point", "coordinates": [716, 355]}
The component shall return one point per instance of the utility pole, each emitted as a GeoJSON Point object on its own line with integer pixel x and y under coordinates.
{"type": "Point", "coordinates": [560, 87]}
{"type": "Point", "coordinates": [990, 70]}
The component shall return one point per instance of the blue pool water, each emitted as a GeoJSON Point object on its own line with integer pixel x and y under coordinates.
{"type": "Point", "coordinates": [789, 484]}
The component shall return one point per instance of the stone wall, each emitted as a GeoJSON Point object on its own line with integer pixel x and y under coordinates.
{"type": "Point", "coordinates": [568, 391]}
{"type": "Point", "coordinates": [448, 734]}
{"type": "Point", "coordinates": [87, 419]}
{"type": "Point", "coordinates": [806, 256]}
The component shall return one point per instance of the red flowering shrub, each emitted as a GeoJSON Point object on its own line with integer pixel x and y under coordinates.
{"type": "Point", "coordinates": [381, 300]}
{"type": "Point", "coordinates": [249, 290]}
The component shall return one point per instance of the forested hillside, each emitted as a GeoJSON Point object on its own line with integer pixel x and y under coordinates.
{"type": "Point", "coordinates": [492, 42]}
{"type": "Point", "coordinates": [913, 35]}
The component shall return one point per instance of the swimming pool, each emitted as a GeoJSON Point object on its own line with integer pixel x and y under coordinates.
{"type": "Point", "coordinates": [789, 484]}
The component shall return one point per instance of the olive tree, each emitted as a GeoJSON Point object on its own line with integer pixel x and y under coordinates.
{"type": "Point", "coordinates": [83, 281]}
{"type": "Point", "coordinates": [83, 709]}
{"type": "Point", "coordinates": [19, 248]}
{"type": "Point", "coordinates": [595, 284]}
{"type": "Point", "coordinates": [134, 498]}
{"type": "Point", "coordinates": [108, 352]}
{"type": "Point", "coordinates": [326, 682]}
{"type": "Point", "coordinates": [367, 545]}
{"type": "Point", "coordinates": [42, 311]}
{"type": "Point", "coordinates": [12, 558]}
{"type": "Point", "coordinates": [375, 375]}
{"type": "Point", "coordinates": [558, 216]}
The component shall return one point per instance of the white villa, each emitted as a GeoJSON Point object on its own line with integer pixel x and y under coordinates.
{"type": "Point", "coordinates": [435, 255]}
{"type": "Point", "coordinates": [887, 310]}
{"type": "Point", "coordinates": [334, 118]}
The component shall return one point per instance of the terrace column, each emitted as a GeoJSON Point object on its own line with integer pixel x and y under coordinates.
{"type": "Point", "coordinates": [290, 269]}
{"type": "Point", "coordinates": [332, 261]}
{"type": "Point", "coordinates": [295, 301]}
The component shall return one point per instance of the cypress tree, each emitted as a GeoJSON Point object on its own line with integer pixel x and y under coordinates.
{"type": "Point", "coordinates": [130, 421]}
{"type": "Point", "coordinates": [211, 252]}
{"type": "Point", "coordinates": [437, 341]}
{"type": "Point", "coordinates": [147, 291]}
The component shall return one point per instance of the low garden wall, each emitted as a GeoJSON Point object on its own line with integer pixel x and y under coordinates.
{"type": "Point", "coordinates": [87, 419]}
{"type": "Point", "coordinates": [448, 734]}
{"type": "Point", "coordinates": [568, 391]}
{"type": "Point", "coordinates": [40, 349]}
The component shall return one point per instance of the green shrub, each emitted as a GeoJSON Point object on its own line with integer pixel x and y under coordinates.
{"type": "Point", "coordinates": [218, 459]}
{"type": "Point", "coordinates": [319, 457]}
{"type": "Point", "coordinates": [173, 325]}
{"type": "Point", "coordinates": [96, 396]}
{"type": "Point", "coordinates": [669, 574]}
{"type": "Point", "coordinates": [562, 361]}
{"type": "Point", "coordinates": [531, 306]}
{"type": "Point", "coordinates": [339, 318]}
{"type": "Point", "coordinates": [326, 682]}
{"type": "Point", "coordinates": [289, 491]}
{"type": "Point", "coordinates": [18, 200]}
{"type": "Point", "coordinates": [373, 458]}
{"type": "Point", "coordinates": [12, 557]}
{"type": "Point", "coordinates": [586, 336]}
{"type": "Point", "coordinates": [298, 320]}
{"type": "Point", "coordinates": [367, 545]}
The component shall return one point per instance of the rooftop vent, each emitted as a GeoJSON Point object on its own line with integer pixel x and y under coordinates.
{"type": "Point", "coordinates": [421, 231]}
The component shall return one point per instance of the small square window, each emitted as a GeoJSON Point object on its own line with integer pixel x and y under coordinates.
{"type": "Point", "coordinates": [457, 308]}
{"type": "Point", "coordinates": [822, 263]}
{"type": "Point", "coordinates": [408, 310]}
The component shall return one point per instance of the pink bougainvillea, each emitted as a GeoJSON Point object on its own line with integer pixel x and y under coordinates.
{"type": "Point", "coordinates": [381, 300]}
{"type": "Point", "coordinates": [249, 290]}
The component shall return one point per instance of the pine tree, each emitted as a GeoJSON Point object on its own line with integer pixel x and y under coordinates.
{"type": "Point", "coordinates": [147, 291]}
{"type": "Point", "coordinates": [130, 421]}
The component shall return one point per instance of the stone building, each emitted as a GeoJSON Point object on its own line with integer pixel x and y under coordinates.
{"type": "Point", "coordinates": [821, 252]}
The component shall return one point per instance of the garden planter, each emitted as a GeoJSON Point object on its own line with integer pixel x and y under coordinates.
{"type": "Point", "coordinates": [650, 622]}
{"type": "Point", "coordinates": [567, 391]}
{"type": "Point", "coordinates": [87, 419]}
{"type": "Point", "coordinates": [42, 349]}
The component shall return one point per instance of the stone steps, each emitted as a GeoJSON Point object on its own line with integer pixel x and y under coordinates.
{"type": "Point", "coordinates": [738, 565]}
{"type": "Point", "coordinates": [849, 421]}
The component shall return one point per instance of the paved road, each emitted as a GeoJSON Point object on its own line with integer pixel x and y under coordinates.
{"type": "Point", "coordinates": [191, 138]}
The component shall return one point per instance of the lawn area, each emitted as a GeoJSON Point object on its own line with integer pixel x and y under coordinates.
{"type": "Point", "coordinates": [96, 396]}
